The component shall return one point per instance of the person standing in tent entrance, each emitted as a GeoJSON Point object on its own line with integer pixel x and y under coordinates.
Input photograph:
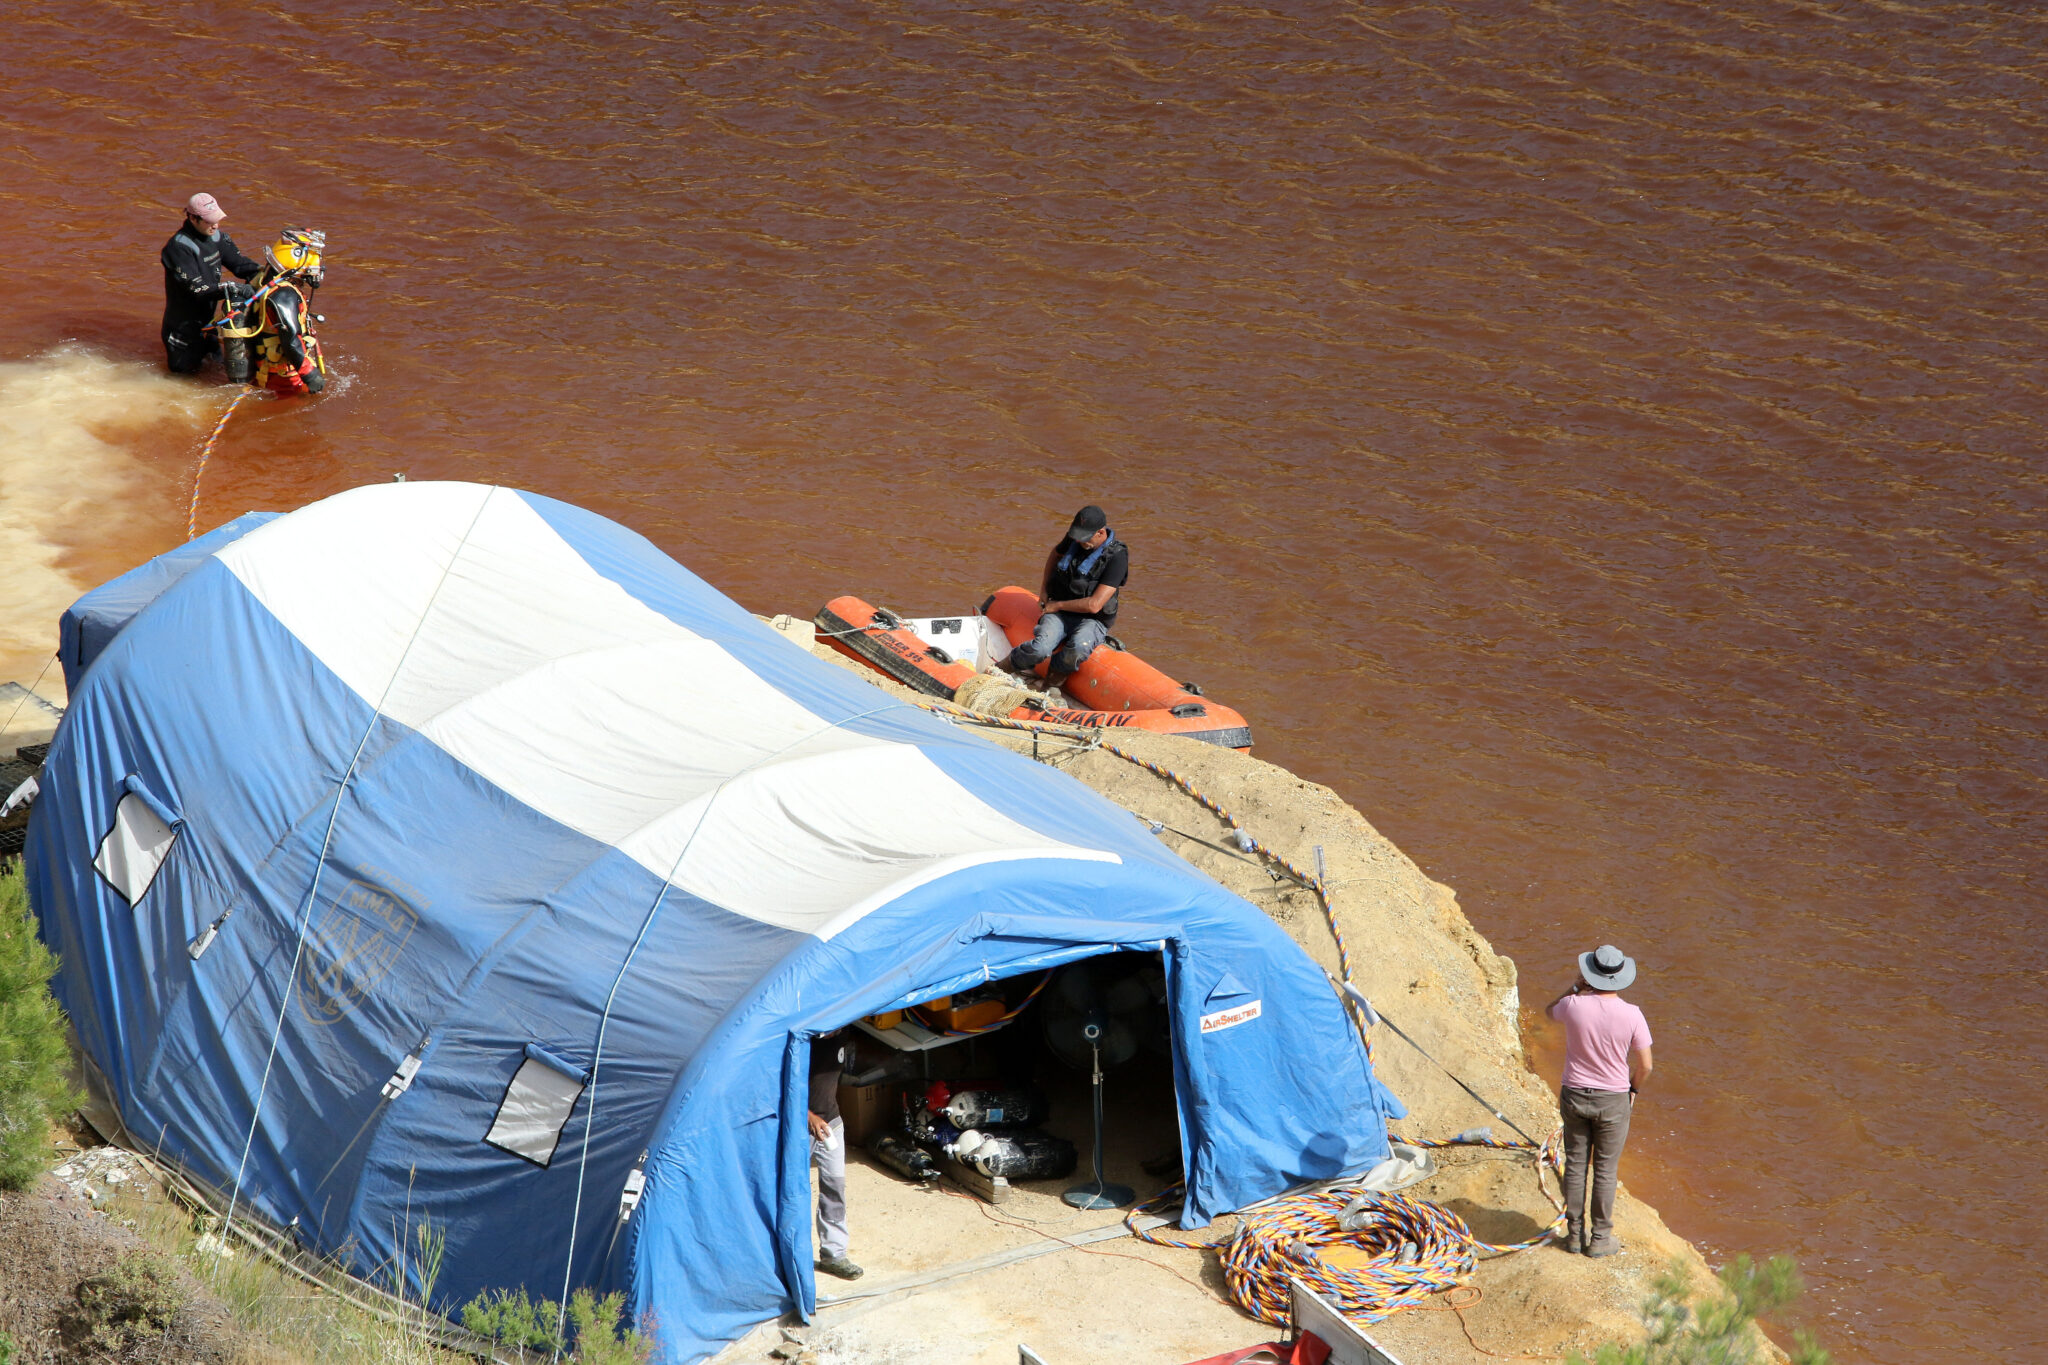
{"type": "Point", "coordinates": [1084, 574]}
{"type": "Point", "coordinates": [829, 1056]}
{"type": "Point", "coordinates": [1601, 1031]}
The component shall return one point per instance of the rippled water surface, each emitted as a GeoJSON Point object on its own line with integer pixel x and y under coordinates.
{"type": "Point", "coordinates": [1600, 440]}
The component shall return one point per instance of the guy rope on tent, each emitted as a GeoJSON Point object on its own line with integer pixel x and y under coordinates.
{"type": "Point", "coordinates": [1396, 1251]}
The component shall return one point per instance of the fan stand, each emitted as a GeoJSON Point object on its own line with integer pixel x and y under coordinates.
{"type": "Point", "coordinates": [1097, 1194]}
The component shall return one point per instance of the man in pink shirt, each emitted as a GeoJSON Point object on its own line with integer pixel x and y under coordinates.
{"type": "Point", "coordinates": [1600, 1031]}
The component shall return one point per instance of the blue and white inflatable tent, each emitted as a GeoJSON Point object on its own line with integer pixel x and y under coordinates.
{"type": "Point", "coordinates": [517, 859]}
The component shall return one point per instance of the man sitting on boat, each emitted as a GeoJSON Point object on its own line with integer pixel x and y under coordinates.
{"type": "Point", "coordinates": [1077, 597]}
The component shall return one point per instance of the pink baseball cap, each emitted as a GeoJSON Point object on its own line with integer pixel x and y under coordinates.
{"type": "Point", "coordinates": [205, 208]}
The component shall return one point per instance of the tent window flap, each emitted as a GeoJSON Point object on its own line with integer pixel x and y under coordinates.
{"type": "Point", "coordinates": [536, 1105]}
{"type": "Point", "coordinates": [135, 848]}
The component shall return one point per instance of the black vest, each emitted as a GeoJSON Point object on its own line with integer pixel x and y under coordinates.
{"type": "Point", "coordinates": [1077, 573]}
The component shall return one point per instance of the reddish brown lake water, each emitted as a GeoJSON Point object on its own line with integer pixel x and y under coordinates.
{"type": "Point", "coordinates": [1602, 441]}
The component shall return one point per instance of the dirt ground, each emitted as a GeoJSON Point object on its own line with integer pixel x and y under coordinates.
{"type": "Point", "coordinates": [1423, 966]}
{"type": "Point", "coordinates": [51, 1239]}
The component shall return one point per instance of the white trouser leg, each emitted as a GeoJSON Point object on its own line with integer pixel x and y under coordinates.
{"type": "Point", "coordinates": [828, 1156]}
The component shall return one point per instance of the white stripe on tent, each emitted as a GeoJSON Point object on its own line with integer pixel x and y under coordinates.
{"type": "Point", "coordinates": [576, 698]}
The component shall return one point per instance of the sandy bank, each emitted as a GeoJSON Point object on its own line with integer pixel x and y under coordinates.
{"type": "Point", "coordinates": [1424, 965]}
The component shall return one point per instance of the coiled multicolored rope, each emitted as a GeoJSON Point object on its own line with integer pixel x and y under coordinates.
{"type": "Point", "coordinates": [1412, 1248]}
{"type": "Point", "coordinates": [1415, 1250]}
{"type": "Point", "coordinates": [192, 513]}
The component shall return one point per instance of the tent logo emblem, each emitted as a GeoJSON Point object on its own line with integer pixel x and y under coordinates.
{"type": "Point", "coordinates": [356, 941]}
{"type": "Point", "coordinates": [1231, 1018]}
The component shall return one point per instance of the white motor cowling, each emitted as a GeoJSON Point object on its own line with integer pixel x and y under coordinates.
{"type": "Point", "coordinates": [972, 640]}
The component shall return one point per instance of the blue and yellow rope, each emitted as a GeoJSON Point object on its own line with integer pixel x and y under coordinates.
{"type": "Point", "coordinates": [1412, 1249]}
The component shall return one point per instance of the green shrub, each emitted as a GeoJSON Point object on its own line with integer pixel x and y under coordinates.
{"type": "Point", "coordinates": [510, 1317]}
{"type": "Point", "coordinates": [35, 1060]}
{"type": "Point", "coordinates": [598, 1340]}
{"type": "Point", "coordinates": [6, 1349]}
{"type": "Point", "coordinates": [1718, 1330]}
{"type": "Point", "coordinates": [134, 1299]}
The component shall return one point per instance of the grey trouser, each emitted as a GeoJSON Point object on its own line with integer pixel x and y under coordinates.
{"type": "Point", "coordinates": [1595, 1125]}
{"type": "Point", "coordinates": [1081, 634]}
{"type": "Point", "coordinates": [828, 1156]}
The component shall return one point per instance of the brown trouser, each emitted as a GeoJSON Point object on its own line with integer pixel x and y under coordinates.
{"type": "Point", "coordinates": [1595, 1125]}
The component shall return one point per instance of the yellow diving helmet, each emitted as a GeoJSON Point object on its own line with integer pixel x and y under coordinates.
{"type": "Point", "coordinates": [297, 252]}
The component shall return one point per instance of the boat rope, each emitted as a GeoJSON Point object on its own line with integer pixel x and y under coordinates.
{"type": "Point", "coordinates": [192, 513]}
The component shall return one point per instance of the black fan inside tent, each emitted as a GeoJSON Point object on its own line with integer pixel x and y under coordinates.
{"type": "Point", "coordinates": [1096, 1015]}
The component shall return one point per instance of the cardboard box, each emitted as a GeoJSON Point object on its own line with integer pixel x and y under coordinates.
{"type": "Point", "coordinates": [869, 1109]}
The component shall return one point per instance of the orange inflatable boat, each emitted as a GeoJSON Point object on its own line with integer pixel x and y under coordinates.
{"type": "Point", "coordinates": [939, 655]}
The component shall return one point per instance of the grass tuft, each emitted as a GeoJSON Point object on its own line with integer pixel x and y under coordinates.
{"type": "Point", "coordinates": [131, 1301]}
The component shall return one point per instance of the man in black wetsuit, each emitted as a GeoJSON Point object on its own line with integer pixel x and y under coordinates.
{"type": "Point", "coordinates": [1084, 575]}
{"type": "Point", "coordinates": [192, 284]}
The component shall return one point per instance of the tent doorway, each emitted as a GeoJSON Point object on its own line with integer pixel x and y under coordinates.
{"type": "Point", "coordinates": [968, 1120]}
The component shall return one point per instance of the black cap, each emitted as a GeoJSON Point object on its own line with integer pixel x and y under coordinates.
{"type": "Point", "coordinates": [1087, 522]}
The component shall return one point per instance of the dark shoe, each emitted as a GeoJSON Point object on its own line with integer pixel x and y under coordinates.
{"type": "Point", "coordinates": [1569, 1240]}
{"type": "Point", "coordinates": [840, 1266]}
{"type": "Point", "coordinates": [1604, 1246]}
